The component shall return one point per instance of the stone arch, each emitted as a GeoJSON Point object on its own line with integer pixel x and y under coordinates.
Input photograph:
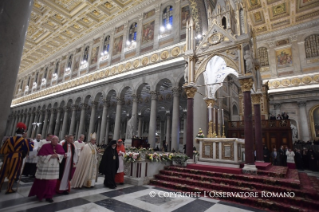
{"type": "Point", "coordinates": [229, 63]}
{"type": "Point", "coordinates": [314, 125]}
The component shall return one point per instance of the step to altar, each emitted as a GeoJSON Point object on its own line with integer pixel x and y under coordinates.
{"type": "Point", "coordinates": [220, 164]}
{"type": "Point", "coordinates": [210, 167]}
{"type": "Point", "coordinates": [262, 165]}
{"type": "Point", "coordinates": [186, 179]}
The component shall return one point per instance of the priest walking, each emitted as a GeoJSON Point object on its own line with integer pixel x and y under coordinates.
{"type": "Point", "coordinates": [63, 184]}
{"type": "Point", "coordinates": [49, 158]}
{"type": "Point", "coordinates": [86, 171]}
{"type": "Point", "coordinates": [109, 165]}
{"type": "Point", "coordinates": [119, 177]}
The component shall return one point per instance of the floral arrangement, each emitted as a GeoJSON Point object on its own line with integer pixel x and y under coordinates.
{"type": "Point", "coordinates": [179, 158]}
{"type": "Point", "coordinates": [167, 156]}
{"type": "Point", "coordinates": [154, 157]}
{"type": "Point", "coordinates": [150, 150]}
{"type": "Point", "coordinates": [200, 134]}
{"type": "Point", "coordinates": [142, 149]}
{"type": "Point", "coordinates": [196, 153]}
{"type": "Point", "coordinates": [131, 156]}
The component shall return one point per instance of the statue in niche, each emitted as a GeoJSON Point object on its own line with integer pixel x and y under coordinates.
{"type": "Point", "coordinates": [294, 131]}
{"type": "Point", "coordinates": [186, 73]}
{"type": "Point", "coordinates": [26, 89]}
{"type": "Point", "coordinates": [248, 61]}
{"type": "Point", "coordinates": [34, 86]}
{"type": "Point", "coordinates": [130, 128]}
{"type": "Point", "coordinates": [43, 81]}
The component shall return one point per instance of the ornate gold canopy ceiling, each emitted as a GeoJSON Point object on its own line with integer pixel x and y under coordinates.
{"type": "Point", "coordinates": [271, 15]}
{"type": "Point", "coordinates": [54, 24]}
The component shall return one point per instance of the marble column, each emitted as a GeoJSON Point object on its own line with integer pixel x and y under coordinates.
{"type": "Point", "coordinates": [107, 130]}
{"type": "Point", "coordinates": [190, 92]}
{"type": "Point", "coordinates": [57, 122]}
{"type": "Point", "coordinates": [152, 124]}
{"type": "Point", "coordinates": [28, 120]}
{"type": "Point", "coordinates": [71, 131]}
{"type": "Point", "coordinates": [175, 119]}
{"type": "Point", "coordinates": [82, 119]}
{"type": "Point", "coordinates": [168, 131]}
{"type": "Point", "coordinates": [24, 117]}
{"type": "Point", "coordinates": [45, 123]}
{"type": "Point", "coordinates": [14, 21]}
{"type": "Point", "coordinates": [65, 122]}
{"type": "Point", "coordinates": [92, 119]}
{"type": "Point", "coordinates": [258, 137]}
{"type": "Point", "coordinates": [104, 118]}
{"type": "Point", "coordinates": [134, 114]}
{"type": "Point", "coordinates": [30, 127]}
{"type": "Point", "coordinates": [185, 126]}
{"type": "Point", "coordinates": [36, 120]}
{"type": "Point", "coordinates": [305, 133]}
{"type": "Point", "coordinates": [139, 131]}
{"type": "Point", "coordinates": [50, 130]}
{"type": "Point", "coordinates": [246, 86]}
{"type": "Point", "coordinates": [117, 125]}
{"type": "Point", "coordinates": [40, 120]}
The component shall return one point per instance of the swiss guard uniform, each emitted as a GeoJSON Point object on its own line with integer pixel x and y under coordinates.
{"type": "Point", "coordinates": [14, 150]}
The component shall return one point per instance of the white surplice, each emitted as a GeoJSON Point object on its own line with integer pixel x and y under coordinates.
{"type": "Point", "coordinates": [86, 170]}
{"type": "Point", "coordinates": [121, 163]}
{"type": "Point", "coordinates": [67, 167]}
{"type": "Point", "coordinates": [32, 157]}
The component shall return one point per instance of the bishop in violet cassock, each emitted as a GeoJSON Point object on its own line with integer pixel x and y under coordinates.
{"type": "Point", "coordinates": [65, 174]}
{"type": "Point", "coordinates": [86, 171]}
{"type": "Point", "coordinates": [49, 157]}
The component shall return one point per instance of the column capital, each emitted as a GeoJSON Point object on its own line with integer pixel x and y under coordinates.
{"type": "Point", "coordinates": [59, 109]}
{"type": "Point", "coordinates": [106, 103]}
{"type": "Point", "coordinates": [119, 100]}
{"type": "Point", "coordinates": [94, 104]}
{"type": "Point", "coordinates": [168, 113]}
{"type": "Point", "coordinates": [175, 91]}
{"type": "Point", "coordinates": [74, 107]}
{"type": "Point", "coordinates": [84, 106]}
{"type": "Point", "coordinates": [66, 108]}
{"type": "Point", "coordinates": [190, 92]}
{"type": "Point", "coordinates": [134, 98]}
{"type": "Point", "coordinates": [255, 98]}
{"type": "Point", "coordinates": [302, 104]}
{"type": "Point", "coordinates": [153, 95]}
{"type": "Point", "coordinates": [211, 101]}
{"type": "Point", "coordinates": [52, 110]}
{"type": "Point", "coordinates": [246, 84]}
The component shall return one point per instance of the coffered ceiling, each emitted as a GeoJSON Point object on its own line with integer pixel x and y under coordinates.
{"type": "Point", "coordinates": [54, 24]}
{"type": "Point", "coordinates": [271, 15]}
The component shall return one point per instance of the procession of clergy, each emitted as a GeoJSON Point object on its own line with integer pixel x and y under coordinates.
{"type": "Point", "coordinates": [59, 166]}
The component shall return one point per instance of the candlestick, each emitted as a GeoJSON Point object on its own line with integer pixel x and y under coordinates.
{"type": "Point", "coordinates": [222, 121]}
{"type": "Point", "coordinates": [223, 132]}
{"type": "Point", "coordinates": [219, 135]}
{"type": "Point", "coordinates": [210, 112]}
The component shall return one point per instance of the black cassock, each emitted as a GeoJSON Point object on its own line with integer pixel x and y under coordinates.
{"type": "Point", "coordinates": [109, 166]}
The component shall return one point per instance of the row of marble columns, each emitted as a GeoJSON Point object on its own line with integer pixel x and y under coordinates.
{"type": "Point", "coordinates": [44, 116]}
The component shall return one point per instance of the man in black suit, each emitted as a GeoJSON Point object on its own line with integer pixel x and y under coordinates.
{"type": "Point", "coordinates": [280, 157]}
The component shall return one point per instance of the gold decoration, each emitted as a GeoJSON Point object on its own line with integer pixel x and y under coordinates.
{"type": "Point", "coordinates": [316, 78]}
{"type": "Point", "coordinates": [145, 61]}
{"type": "Point", "coordinates": [223, 136]}
{"type": "Point", "coordinates": [295, 81]}
{"type": "Point", "coordinates": [231, 145]}
{"type": "Point", "coordinates": [190, 91]}
{"type": "Point", "coordinates": [210, 130]}
{"type": "Point", "coordinates": [106, 73]}
{"type": "Point", "coordinates": [154, 58]}
{"type": "Point", "coordinates": [176, 51]}
{"type": "Point", "coordinates": [275, 84]}
{"type": "Point", "coordinates": [246, 84]}
{"type": "Point", "coordinates": [255, 98]}
{"type": "Point", "coordinates": [136, 63]}
{"type": "Point", "coordinates": [121, 68]}
{"type": "Point", "coordinates": [285, 82]}
{"type": "Point", "coordinates": [164, 55]}
{"type": "Point", "coordinates": [211, 101]}
{"type": "Point", "coordinates": [306, 79]}
{"type": "Point", "coordinates": [128, 65]}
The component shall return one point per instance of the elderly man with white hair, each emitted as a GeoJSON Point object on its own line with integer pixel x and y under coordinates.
{"type": "Point", "coordinates": [85, 173]}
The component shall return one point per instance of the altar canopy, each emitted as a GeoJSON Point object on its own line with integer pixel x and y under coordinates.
{"type": "Point", "coordinates": [215, 74]}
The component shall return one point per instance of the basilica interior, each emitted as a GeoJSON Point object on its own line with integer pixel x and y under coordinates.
{"type": "Point", "coordinates": [161, 72]}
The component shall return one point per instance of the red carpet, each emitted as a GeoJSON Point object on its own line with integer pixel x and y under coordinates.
{"type": "Point", "coordinates": [197, 180]}
{"type": "Point", "coordinates": [214, 168]}
{"type": "Point", "coordinates": [262, 165]}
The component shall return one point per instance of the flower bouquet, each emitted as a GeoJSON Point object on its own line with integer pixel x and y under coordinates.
{"type": "Point", "coordinates": [131, 156]}
{"type": "Point", "coordinates": [179, 159]}
{"type": "Point", "coordinates": [195, 153]}
{"type": "Point", "coordinates": [154, 157]}
{"type": "Point", "coordinates": [142, 149]}
{"type": "Point", "coordinates": [166, 157]}
{"type": "Point", "coordinates": [200, 134]}
{"type": "Point", "coordinates": [150, 150]}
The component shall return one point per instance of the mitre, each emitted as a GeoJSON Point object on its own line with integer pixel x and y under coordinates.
{"type": "Point", "coordinates": [93, 136]}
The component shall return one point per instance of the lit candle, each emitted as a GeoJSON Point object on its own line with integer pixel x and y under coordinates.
{"type": "Point", "coordinates": [214, 119]}
{"type": "Point", "coordinates": [222, 117]}
{"type": "Point", "coordinates": [210, 112]}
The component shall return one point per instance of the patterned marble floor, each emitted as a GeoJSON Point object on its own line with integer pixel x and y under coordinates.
{"type": "Point", "coordinates": [123, 198]}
